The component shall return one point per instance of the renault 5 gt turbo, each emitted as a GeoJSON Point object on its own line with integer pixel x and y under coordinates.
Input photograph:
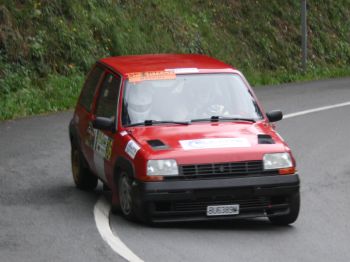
{"type": "Point", "coordinates": [181, 138]}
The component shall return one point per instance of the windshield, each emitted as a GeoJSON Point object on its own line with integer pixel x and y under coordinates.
{"type": "Point", "coordinates": [188, 97]}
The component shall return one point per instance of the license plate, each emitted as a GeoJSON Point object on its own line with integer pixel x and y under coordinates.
{"type": "Point", "coordinates": [224, 210]}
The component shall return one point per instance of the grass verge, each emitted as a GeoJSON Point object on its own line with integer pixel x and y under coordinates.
{"type": "Point", "coordinates": [47, 46]}
{"type": "Point", "coordinates": [55, 94]}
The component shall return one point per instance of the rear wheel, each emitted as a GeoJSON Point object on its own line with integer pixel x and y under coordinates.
{"type": "Point", "coordinates": [83, 177]}
{"type": "Point", "coordinates": [294, 206]}
{"type": "Point", "coordinates": [125, 196]}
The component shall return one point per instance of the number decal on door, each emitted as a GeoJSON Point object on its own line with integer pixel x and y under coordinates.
{"type": "Point", "coordinates": [99, 142]}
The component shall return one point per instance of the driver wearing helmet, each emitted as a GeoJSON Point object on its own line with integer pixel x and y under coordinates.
{"type": "Point", "coordinates": [138, 104]}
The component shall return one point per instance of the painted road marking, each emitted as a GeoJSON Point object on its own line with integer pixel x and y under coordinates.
{"type": "Point", "coordinates": [102, 207]}
{"type": "Point", "coordinates": [314, 110]}
{"type": "Point", "coordinates": [101, 213]}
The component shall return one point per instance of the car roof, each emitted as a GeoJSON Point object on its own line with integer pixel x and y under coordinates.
{"type": "Point", "coordinates": [161, 62]}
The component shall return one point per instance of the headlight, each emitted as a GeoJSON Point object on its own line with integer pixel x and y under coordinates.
{"type": "Point", "coordinates": [277, 161]}
{"type": "Point", "coordinates": [164, 167]}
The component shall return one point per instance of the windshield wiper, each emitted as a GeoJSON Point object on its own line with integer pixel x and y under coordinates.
{"type": "Point", "coordinates": [223, 118]}
{"type": "Point", "coordinates": [152, 122]}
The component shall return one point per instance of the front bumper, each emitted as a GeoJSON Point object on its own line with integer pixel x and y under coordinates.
{"type": "Point", "coordinates": [187, 200]}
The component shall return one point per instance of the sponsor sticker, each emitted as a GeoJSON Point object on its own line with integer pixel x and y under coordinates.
{"type": "Point", "coordinates": [208, 143]}
{"type": "Point", "coordinates": [123, 133]}
{"type": "Point", "coordinates": [99, 142]}
{"type": "Point", "coordinates": [103, 145]}
{"type": "Point", "coordinates": [132, 148]}
{"type": "Point", "coordinates": [108, 152]}
{"type": "Point", "coordinates": [150, 75]}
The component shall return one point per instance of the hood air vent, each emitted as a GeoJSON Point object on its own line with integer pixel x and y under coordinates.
{"type": "Point", "coordinates": [156, 144]}
{"type": "Point", "coordinates": [265, 139]}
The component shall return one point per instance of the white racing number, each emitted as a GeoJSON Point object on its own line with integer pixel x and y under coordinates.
{"type": "Point", "coordinates": [100, 143]}
{"type": "Point", "coordinates": [103, 145]}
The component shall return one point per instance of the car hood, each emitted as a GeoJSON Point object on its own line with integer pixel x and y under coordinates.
{"type": "Point", "coordinates": [214, 142]}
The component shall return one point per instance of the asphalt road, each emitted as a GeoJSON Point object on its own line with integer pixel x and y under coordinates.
{"type": "Point", "coordinates": [44, 218]}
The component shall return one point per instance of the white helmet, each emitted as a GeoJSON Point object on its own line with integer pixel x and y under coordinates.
{"type": "Point", "coordinates": [139, 103]}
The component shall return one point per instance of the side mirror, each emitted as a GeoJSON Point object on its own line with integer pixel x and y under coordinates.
{"type": "Point", "coordinates": [104, 123]}
{"type": "Point", "coordinates": [275, 115]}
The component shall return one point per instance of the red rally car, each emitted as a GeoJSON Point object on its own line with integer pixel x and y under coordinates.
{"type": "Point", "coordinates": [180, 138]}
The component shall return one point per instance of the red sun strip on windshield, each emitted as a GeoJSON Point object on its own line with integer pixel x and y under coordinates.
{"type": "Point", "coordinates": [150, 75]}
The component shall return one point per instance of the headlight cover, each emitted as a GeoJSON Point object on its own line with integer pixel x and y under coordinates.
{"type": "Point", "coordinates": [277, 161]}
{"type": "Point", "coordinates": [163, 167]}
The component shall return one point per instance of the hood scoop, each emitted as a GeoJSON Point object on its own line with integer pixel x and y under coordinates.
{"type": "Point", "coordinates": [265, 139]}
{"type": "Point", "coordinates": [157, 144]}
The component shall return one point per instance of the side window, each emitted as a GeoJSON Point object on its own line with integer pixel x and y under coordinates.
{"type": "Point", "coordinates": [88, 92]}
{"type": "Point", "coordinates": [107, 101]}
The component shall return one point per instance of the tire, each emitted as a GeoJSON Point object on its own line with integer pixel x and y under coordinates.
{"type": "Point", "coordinates": [294, 206]}
{"type": "Point", "coordinates": [105, 187]}
{"type": "Point", "coordinates": [83, 178]}
{"type": "Point", "coordinates": [115, 209]}
{"type": "Point", "coordinates": [125, 196]}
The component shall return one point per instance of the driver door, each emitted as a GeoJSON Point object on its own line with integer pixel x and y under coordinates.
{"type": "Point", "coordinates": [106, 106]}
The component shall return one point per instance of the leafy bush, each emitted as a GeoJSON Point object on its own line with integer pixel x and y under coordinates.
{"type": "Point", "coordinates": [47, 46]}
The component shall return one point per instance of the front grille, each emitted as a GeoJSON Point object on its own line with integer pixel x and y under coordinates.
{"type": "Point", "coordinates": [224, 169]}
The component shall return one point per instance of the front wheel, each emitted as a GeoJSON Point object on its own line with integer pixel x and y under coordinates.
{"type": "Point", "coordinates": [83, 177]}
{"type": "Point", "coordinates": [125, 196]}
{"type": "Point", "coordinates": [294, 206]}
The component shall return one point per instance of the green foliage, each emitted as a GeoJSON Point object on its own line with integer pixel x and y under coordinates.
{"type": "Point", "coordinates": [47, 46]}
{"type": "Point", "coordinates": [54, 93]}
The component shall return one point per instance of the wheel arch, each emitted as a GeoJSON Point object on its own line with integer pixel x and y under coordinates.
{"type": "Point", "coordinates": [122, 163]}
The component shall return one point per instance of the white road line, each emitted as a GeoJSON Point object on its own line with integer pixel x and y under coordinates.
{"type": "Point", "coordinates": [102, 207]}
{"type": "Point", "coordinates": [318, 109]}
{"type": "Point", "coordinates": [101, 213]}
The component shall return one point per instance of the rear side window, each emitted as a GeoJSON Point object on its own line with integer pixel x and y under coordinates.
{"type": "Point", "coordinates": [88, 92]}
{"type": "Point", "coordinates": [108, 98]}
